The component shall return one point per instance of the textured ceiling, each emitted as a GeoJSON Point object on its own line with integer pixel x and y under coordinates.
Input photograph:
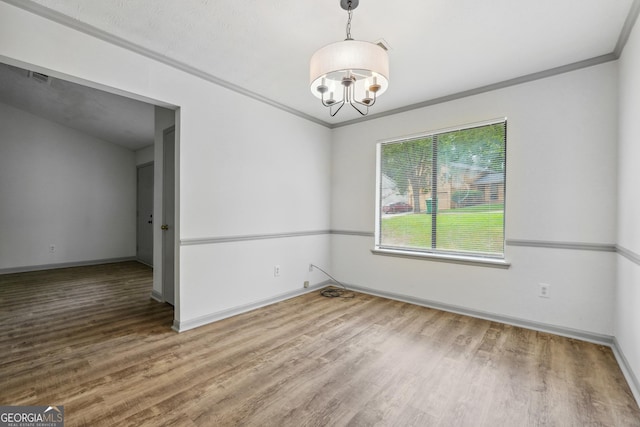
{"type": "Point", "coordinates": [112, 118]}
{"type": "Point", "coordinates": [438, 47]}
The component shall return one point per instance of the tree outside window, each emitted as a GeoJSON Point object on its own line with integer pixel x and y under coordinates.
{"type": "Point", "coordinates": [451, 188]}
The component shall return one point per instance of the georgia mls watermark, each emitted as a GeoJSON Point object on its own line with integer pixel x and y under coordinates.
{"type": "Point", "coordinates": [31, 416]}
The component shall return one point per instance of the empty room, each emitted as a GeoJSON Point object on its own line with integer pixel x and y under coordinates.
{"type": "Point", "coordinates": [208, 217]}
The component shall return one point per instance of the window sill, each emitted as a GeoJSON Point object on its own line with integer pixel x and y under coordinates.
{"type": "Point", "coordinates": [456, 259]}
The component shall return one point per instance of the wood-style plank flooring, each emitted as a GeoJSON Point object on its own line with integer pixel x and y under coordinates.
{"type": "Point", "coordinates": [91, 339]}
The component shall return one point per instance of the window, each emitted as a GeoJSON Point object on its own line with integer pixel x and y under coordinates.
{"type": "Point", "coordinates": [443, 193]}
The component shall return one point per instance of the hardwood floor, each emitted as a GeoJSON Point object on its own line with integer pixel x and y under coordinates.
{"type": "Point", "coordinates": [90, 339]}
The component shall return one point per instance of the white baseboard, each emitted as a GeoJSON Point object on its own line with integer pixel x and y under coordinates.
{"type": "Point", "coordinates": [155, 295]}
{"type": "Point", "coordinates": [28, 268]}
{"type": "Point", "coordinates": [514, 321]}
{"type": "Point", "coordinates": [181, 326]}
{"type": "Point", "coordinates": [632, 380]}
{"type": "Point", "coordinates": [609, 341]}
{"type": "Point", "coordinates": [145, 263]}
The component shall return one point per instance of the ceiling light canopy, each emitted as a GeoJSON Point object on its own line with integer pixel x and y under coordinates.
{"type": "Point", "coordinates": [349, 72]}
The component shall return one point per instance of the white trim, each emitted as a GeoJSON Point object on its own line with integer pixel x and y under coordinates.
{"type": "Point", "coordinates": [434, 254]}
{"type": "Point", "coordinates": [632, 380]}
{"type": "Point", "coordinates": [142, 165]}
{"type": "Point", "coordinates": [144, 263]}
{"type": "Point", "coordinates": [458, 259]}
{"type": "Point", "coordinates": [628, 254]}
{"type": "Point", "coordinates": [185, 325]}
{"type": "Point", "coordinates": [488, 88]}
{"type": "Point", "coordinates": [110, 38]}
{"type": "Point", "coordinates": [157, 296]}
{"type": "Point", "coordinates": [353, 233]}
{"type": "Point", "coordinates": [602, 247]}
{"type": "Point", "coordinates": [607, 340]}
{"type": "Point", "coordinates": [90, 30]}
{"type": "Point", "coordinates": [514, 321]}
{"type": "Point", "coordinates": [378, 196]}
{"type": "Point", "coordinates": [429, 133]}
{"type": "Point", "coordinates": [246, 237]}
{"type": "Point", "coordinates": [629, 23]}
{"type": "Point", "coordinates": [28, 268]}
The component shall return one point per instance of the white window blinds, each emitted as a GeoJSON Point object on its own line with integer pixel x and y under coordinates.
{"type": "Point", "coordinates": [444, 192]}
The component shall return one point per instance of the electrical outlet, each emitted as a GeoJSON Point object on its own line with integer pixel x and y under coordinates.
{"type": "Point", "coordinates": [543, 291]}
{"type": "Point", "coordinates": [52, 248]}
{"type": "Point", "coordinates": [310, 267]}
{"type": "Point", "coordinates": [276, 270]}
{"type": "Point", "coordinates": [306, 283]}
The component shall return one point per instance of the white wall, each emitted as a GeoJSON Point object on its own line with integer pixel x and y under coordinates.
{"type": "Point", "coordinates": [561, 154]}
{"type": "Point", "coordinates": [269, 178]}
{"type": "Point", "coordinates": [627, 308]}
{"type": "Point", "coordinates": [283, 177]}
{"type": "Point", "coordinates": [59, 186]}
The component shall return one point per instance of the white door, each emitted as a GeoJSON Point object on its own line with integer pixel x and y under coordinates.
{"type": "Point", "coordinates": [168, 215]}
{"type": "Point", "coordinates": [144, 226]}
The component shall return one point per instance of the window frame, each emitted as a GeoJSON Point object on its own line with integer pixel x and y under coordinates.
{"type": "Point", "coordinates": [430, 254]}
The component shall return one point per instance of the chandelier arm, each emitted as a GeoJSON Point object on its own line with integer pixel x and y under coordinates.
{"type": "Point", "coordinates": [367, 105]}
{"type": "Point", "coordinates": [345, 99]}
{"type": "Point", "coordinates": [325, 103]}
{"type": "Point", "coordinates": [349, 96]}
{"type": "Point", "coordinates": [358, 110]}
{"type": "Point", "coordinates": [333, 113]}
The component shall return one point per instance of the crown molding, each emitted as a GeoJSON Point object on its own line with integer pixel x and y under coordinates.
{"type": "Point", "coordinates": [67, 21]}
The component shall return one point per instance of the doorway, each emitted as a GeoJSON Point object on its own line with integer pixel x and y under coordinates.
{"type": "Point", "coordinates": [144, 215]}
{"type": "Point", "coordinates": [57, 92]}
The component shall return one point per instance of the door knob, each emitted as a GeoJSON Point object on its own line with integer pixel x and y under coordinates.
{"type": "Point", "coordinates": [164, 227]}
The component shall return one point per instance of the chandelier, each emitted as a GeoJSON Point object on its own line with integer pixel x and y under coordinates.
{"type": "Point", "coordinates": [350, 72]}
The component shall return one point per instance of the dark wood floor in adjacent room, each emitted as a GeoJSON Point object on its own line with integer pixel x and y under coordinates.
{"type": "Point", "coordinates": [89, 338]}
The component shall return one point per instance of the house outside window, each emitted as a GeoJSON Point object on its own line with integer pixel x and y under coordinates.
{"type": "Point", "coordinates": [444, 192]}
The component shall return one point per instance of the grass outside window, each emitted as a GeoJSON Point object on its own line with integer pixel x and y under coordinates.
{"type": "Point", "coordinates": [443, 193]}
{"type": "Point", "coordinates": [474, 229]}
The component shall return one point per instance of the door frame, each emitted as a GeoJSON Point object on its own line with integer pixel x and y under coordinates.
{"type": "Point", "coordinates": [158, 213]}
{"type": "Point", "coordinates": [156, 292]}
{"type": "Point", "coordinates": [169, 254]}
